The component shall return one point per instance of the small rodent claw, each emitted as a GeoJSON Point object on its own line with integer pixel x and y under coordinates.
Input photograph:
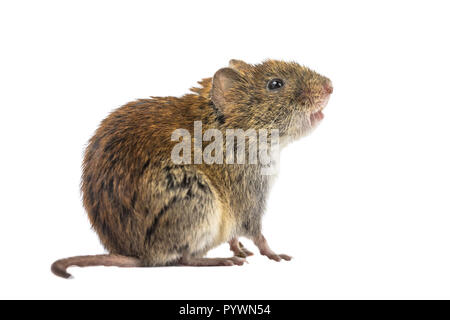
{"type": "Point", "coordinates": [247, 252]}
{"type": "Point", "coordinates": [243, 253]}
{"type": "Point", "coordinates": [244, 250]}
{"type": "Point", "coordinates": [274, 257]}
{"type": "Point", "coordinates": [239, 250]}
{"type": "Point", "coordinates": [285, 257]}
{"type": "Point", "coordinates": [277, 257]}
{"type": "Point", "coordinates": [265, 250]}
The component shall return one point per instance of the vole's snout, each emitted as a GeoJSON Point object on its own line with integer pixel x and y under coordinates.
{"type": "Point", "coordinates": [328, 87]}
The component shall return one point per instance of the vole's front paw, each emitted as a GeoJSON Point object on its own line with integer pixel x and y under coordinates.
{"type": "Point", "coordinates": [244, 252]}
{"type": "Point", "coordinates": [238, 249]}
{"type": "Point", "coordinates": [265, 250]}
{"type": "Point", "coordinates": [277, 257]}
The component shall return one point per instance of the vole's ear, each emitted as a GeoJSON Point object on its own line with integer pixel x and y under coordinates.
{"type": "Point", "coordinates": [224, 80]}
{"type": "Point", "coordinates": [239, 65]}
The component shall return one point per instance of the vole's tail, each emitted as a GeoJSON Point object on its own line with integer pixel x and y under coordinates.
{"type": "Point", "coordinates": [59, 267]}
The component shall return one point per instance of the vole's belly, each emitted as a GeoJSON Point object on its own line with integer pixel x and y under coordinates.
{"type": "Point", "coordinates": [217, 229]}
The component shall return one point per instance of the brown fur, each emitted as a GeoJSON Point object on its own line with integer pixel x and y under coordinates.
{"type": "Point", "coordinates": [145, 207]}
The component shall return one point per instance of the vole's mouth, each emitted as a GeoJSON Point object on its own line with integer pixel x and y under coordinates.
{"type": "Point", "coordinates": [316, 117]}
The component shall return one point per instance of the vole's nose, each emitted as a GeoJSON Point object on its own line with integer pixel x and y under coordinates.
{"type": "Point", "coordinates": [328, 87]}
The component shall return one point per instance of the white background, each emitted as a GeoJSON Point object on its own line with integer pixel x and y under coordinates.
{"type": "Point", "coordinates": [362, 204]}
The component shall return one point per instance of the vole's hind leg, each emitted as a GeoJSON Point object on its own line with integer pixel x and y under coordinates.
{"type": "Point", "coordinates": [184, 220]}
{"type": "Point", "coordinates": [210, 262]}
{"type": "Point", "coordinates": [238, 249]}
{"type": "Point", "coordinates": [265, 250]}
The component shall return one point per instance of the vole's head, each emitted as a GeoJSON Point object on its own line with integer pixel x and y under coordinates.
{"type": "Point", "coordinates": [271, 95]}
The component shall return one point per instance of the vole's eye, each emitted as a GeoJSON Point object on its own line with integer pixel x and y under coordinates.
{"type": "Point", "coordinates": [275, 84]}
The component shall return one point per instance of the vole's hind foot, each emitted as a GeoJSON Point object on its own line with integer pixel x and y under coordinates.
{"type": "Point", "coordinates": [238, 248]}
{"type": "Point", "coordinates": [265, 250]}
{"type": "Point", "coordinates": [211, 262]}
